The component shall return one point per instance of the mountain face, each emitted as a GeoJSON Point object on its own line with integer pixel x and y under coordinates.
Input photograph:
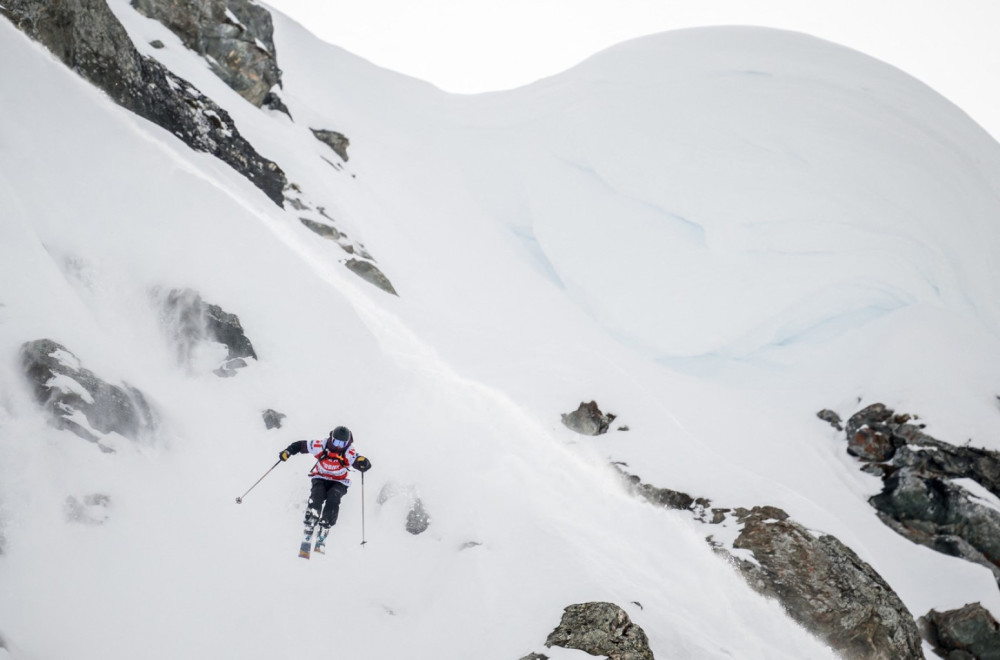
{"type": "Point", "coordinates": [720, 243]}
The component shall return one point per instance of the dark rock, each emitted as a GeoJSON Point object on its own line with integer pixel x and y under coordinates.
{"type": "Point", "coordinates": [87, 37]}
{"type": "Point", "coordinates": [324, 230]}
{"type": "Point", "coordinates": [190, 321]}
{"type": "Point", "coordinates": [234, 36]}
{"type": "Point", "coordinates": [417, 520]}
{"type": "Point", "coordinates": [919, 499]}
{"type": "Point", "coordinates": [157, 44]}
{"type": "Point", "coordinates": [588, 419]}
{"type": "Point", "coordinates": [535, 656]}
{"type": "Point", "coordinates": [273, 102]}
{"type": "Point", "coordinates": [940, 515]}
{"type": "Point", "coordinates": [273, 418]}
{"type": "Point", "coordinates": [600, 629]}
{"type": "Point", "coordinates": [826, 587]}
{"type": "Point", "coordinates": [68, 392]}
{"type": "Point", "coordinates": [370, 273]}
{"type": "Point", "coordinates": [968, 632]}
{"type": "Point", "coordinates": [336, 141]}
{"type": "Point", "coordinates": [831, 418]}
{"type": "Point", "coordinates": [671, 499]}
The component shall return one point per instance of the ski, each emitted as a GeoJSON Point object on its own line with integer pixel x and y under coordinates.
{"type": "Point", "coordinates": [320, 548]}
{"type": "Point", "coordinates": [306, 545]}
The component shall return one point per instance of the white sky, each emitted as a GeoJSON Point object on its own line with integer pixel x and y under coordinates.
{"type": "Point", "coordinates": [470, 46]}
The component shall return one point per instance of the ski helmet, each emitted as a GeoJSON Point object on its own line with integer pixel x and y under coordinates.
{"type": "Point", "coordinates": [341, 433]}
{"type": "Point", "coordinates": [340, 439]}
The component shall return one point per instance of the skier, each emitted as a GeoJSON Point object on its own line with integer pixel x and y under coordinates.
{"type": "Point", "coordinates": [329, 480]}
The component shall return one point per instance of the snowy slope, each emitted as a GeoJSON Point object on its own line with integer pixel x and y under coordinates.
{"type": "Point", "coordinates": [713, 233]}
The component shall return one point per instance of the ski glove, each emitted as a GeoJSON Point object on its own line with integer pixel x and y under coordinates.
{"type": "Point", "coordinates": [284, 455]}
{"type": "Point", "coordinates": [362, 464]}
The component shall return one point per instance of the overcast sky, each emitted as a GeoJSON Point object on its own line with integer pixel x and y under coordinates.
{"type": "Point", "coordinates": [470, 46]}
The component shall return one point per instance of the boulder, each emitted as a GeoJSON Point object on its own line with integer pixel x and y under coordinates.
{"type": "Point", "coordinates": [77, 400]}
{"type": "Point", "coordinates": [336, 141]}
{"type": "Point", "coordinates": [601, 629]}
{"type": "Point", "coordinates": [234, 36]}
{"type": "Point", "coordinates": [969, 630]}
{"type": "Point", "coordinates": [921, 496]}
{"type": "Point", "coordinates": [190, 323]}
{"type": "Point", "coordinates": [370, 273]}
{"type": "Point", "coordinates": [588, 419]}
{"type": "Point", "coordinates": [87, 37]}
{"type": "Point", "coordinates": [273, 418]}
{"type": "Point", "coordinates": [418, 520]}
{"type": "Point", "coordinates": [826, 587]}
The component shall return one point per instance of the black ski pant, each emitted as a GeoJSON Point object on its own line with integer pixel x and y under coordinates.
{"type": "Point", "coordinates": [324, 496]}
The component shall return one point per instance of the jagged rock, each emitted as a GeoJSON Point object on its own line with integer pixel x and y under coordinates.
{"type": "Point", "coordinates": [326, 231]}
{"type": "Point", "coordinates": [869, 436]}
{"type": "Point", "coordinates": [272, 418]}
{"type": "Point", "coordinates": [234, 36]}
{"type": "Point", "coordinates": [92, 510]}
{"type": "Point", "coordinates": [919, 500]}
{"type": "Point", "coordinates": [535, 656]}
{"type": "Point", "coordinates": [79, 401]}
{"type": "Point", "coordinates": [370, 273]}
{"type": "Point", "coordinates": [831, 418]}
{"type": "Point", "coordinates": [191, 322]}
{"type": "Point", "coordinates": [336, 141]}
{"type": "Point", "coordinates": [940, 515]}
{"type": "Point", "coordinates": [273, 102]}
{"type": "Point", "coordinates": [87, 37]}
{"type": "Point", "coordinates": [600, 629]}
{"type": "Point", "coordinates": [826, 587]}
{"type": "Point", "coordinates": [588, 419]}
{"type": "Point", "coordinates": [671, 499]}
{"type": "Point", "coordinates": [417, 518]}
{"type": "Point", "coordinates": [970, 630]}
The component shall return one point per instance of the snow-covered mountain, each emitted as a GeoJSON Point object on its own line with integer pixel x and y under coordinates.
{"type": "Point", "coordinates": [713, 234]}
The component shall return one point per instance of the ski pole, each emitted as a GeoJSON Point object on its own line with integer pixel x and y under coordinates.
{"type": "Point", "coordinates": [363, 508]}
{"type": "Point", "coordinates": [239, 500]}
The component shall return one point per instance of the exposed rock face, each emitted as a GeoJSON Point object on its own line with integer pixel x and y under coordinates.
{"type": "Point", "coordinates": [88, 38]}
{"type": "Point", "coordinates": [191, 322]}
{"type": "Point", "coordinates": [602, 629]}
{"type": "Point", "coordinates": [920, 498]}
{"type": "Point", "coordinates": [969, 633]}
{"type": "Point", "coordinates": [588, 419]}
{"type": "Point", "coordinates": [826, 587]}
{"type": "Point", "coordinates": [418, 520]}
{"type": "Point", "coordinates": [234, 36]}
{"type": "Point", "coordinates": [78, 400]}
{"type": "Point", "coordinates": [336, 141]}
{"type": "Point", "coordinates": [370, 273]}
{"type": "Point", "coordinates": [272, 418]}
{"type": "Point", "coordinates": [821, 583]}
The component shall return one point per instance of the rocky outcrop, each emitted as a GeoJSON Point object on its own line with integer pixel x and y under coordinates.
{"type": "Point", "coordinates": [336, 141]}
{"type": "Point", "coordinates": [370, 273]}
{"type": "Point", "coordinates": [968, 633]}
{"type": "Point", "coordinates": [820, 582]}
{"type": "Point", "coordinates": [924, 497]}
{"type": "Point", "coordinates": [588, 419]}
{"type": "Point", "coordinates": [418, 520]}
{"type": "Point", "coordinates": [601, 629]}
{"type": "Point", "coordinates": [826, 587]}
{"type": "Point", "coordinates": [190, 323]}
{"type": "Point", "coordinates": [77, 400]}
{"type": "Point", "coordinates": [234, 36]}
{"type": "Point", "coordinates": [89, 39]}
{"type": "Point", "coordinates": [272, 418]}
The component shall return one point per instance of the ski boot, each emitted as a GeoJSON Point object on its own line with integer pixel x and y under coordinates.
{"type": "Point", "coordinates": [321, 540]}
